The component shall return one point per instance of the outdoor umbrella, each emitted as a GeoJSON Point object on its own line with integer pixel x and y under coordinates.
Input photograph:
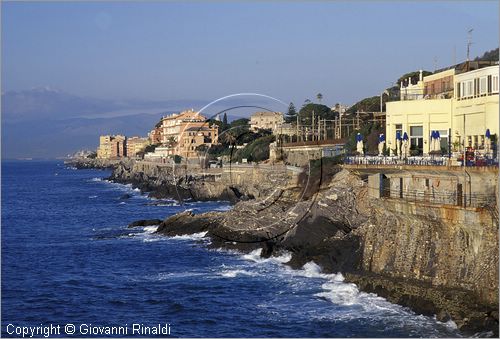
{"type": "Point", "coordinates": [398, 144]}
{"type": "Point", "coordinates": [437, 141]}
{"type": "Point", "coordinates": [405, 146]}
{"type": "Point", "coordinates": [487, 143]}
{"type": "Point", "coordinates": [433, 141]}
{"type": "Point", "coordinates": [359, 144]}
{"type": "Point", "coordinates": [381, 142]}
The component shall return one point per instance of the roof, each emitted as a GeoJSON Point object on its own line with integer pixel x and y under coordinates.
{"type": "Point", "coordinates": [266, 113]}
{"type": "Point", "coordinates": [203, 128]}
{"type": "Point", "coordinates": [468, 66]}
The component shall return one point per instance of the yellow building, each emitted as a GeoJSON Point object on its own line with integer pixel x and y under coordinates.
{"type": "Point", "coordinates": [475, 106]}
{"type": "Point", "coordinates": [111, 146]}
{"type": "Point", "coordinates": [266, 120]}
{"type": "Point", "coordinates": [136, 145]}
{"type": "Point", "coordinates": [442, 102]}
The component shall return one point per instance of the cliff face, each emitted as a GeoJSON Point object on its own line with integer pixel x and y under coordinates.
{"type": "Point", "coordinates": [443, 246]}
{"type": "Point", "coordinates": [436, 259]}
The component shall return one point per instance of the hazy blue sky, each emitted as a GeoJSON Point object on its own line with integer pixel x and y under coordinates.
{"type": "Point", "coordinates": [168, 50]}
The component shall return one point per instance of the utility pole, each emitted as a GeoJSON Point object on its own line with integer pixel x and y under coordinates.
{"type": "Point", "coordinates": [340, 126]}
{"type": "Point", "coordinates": [297, 128]}
{"type": "Point", "coordinates": [312, 126]}
{"type": "Point", "coordinates": [319, 129]}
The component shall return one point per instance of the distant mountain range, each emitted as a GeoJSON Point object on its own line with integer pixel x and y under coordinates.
{"type": "Point", "coordinates": [47, 123]}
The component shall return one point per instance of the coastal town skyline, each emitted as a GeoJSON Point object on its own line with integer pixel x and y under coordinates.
{"type": "Point", "coordinates": [73, 71]}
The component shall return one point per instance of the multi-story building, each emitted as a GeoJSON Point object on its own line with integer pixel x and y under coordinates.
{"type": "Point", "coordinates": [193, 137]}
{"type": "Point", "coordinates": [111, 146]}
{"type": "Point", "coordinates": [442, 102]}
{"type": "Point", "coordinates": [173, 125]}
{"type": "Point", "coordinates": [155, 136]}
{"type": "Point", "coordinates": [182, 134]}
{"type": "Point", "coordinates": [475, 106]}
{"type": "Point", "coordinates": [136, 145]}
{"type": "Point", "coordinates": [266, 120]}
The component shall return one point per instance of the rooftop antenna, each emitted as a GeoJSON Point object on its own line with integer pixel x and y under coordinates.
{"type": "Point", "coordinates": [435, 63]}
{"type": "Point", "coordinates": [469, 42]}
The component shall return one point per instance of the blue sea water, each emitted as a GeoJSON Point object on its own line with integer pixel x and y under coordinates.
{"type": "Point", "coordinates": [68, 258]}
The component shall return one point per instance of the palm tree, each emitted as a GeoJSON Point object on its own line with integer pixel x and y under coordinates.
{"type": "Point", "coordinates": [319, 96]}
{"type": "Point", "coordinates": [228, 138]}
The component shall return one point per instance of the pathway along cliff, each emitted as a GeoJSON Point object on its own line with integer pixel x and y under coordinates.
{"type": "Point", "coordinates": [413, 256]}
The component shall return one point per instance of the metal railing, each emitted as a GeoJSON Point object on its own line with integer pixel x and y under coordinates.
{"type": "Point", "coordinates": [414, 160]}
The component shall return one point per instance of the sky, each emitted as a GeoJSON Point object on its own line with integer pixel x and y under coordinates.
{"type": "Point", "coordinates": [203, 51]}
{"type": "Point", "coordinates": [71, 71]}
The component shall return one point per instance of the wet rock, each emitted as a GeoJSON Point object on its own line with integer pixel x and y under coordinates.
{"type": "Point", "coordinates": [145, 222]}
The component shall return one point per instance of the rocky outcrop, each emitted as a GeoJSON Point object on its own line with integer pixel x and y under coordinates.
{"type": "Point", "coordinates": [413, 255]}
{"type": "Point", "coordinates": [87, 163]}
{"type": "Point", "coordinates": [145, 222]}
{"type": "Point", "coordinates": [435, 259]}
{"type": "Point", "coordinates": [180, 183]}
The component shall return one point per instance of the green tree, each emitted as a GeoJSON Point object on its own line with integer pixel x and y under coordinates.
{"type": "Point", "coordinates": [291, 115]}
{"type": "Point", "coordinates": [488, 56]}
{"type": "Point", "coordinates": [319, 96]}
{"type": "Point", "coordinates": [321, 111]}
{"type": "Point", "coordinates": [257, 150]}
{"type": "Point", "coordinates": [224, 119]}
{"type": "Point", "coordinates": [414, 77]}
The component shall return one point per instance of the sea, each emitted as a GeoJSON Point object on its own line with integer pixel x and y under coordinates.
{"type": "Point", "coordinates": [72, 268]}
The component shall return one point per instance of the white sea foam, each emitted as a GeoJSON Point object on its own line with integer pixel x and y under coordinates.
{"type": "Point", "coordinates": [150, 229]}
{"type": "Point", "coordinates": [194, 236]}
{"type": "Point", "coordinates": [122, 203]}
{"type": "Point", "coordinates": [234, 273]}
{"type": "Point", "coordinates": [255, 256]}
{"type": "Point", "coordinates": [312, 270]}
{"type": "Point", "coordinates": [223, 208]}
{"type": "Point", "coordinates": [168, 204]}
{"type": "Point", "coordinates": [96, 179]}
{"type": "Point", "coordinates": [92, 196]}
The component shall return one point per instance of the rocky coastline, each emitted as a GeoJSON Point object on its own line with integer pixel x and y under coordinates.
{"type": "Point", "coordinates": [413, 259]}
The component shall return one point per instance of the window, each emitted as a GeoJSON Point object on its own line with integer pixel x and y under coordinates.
{"type": "Point", "coordinates": [416, 139]}
{"type": "Point", "coordinates": [494, 84]}
{"type": "Point", "coordinates": [483, 85]}
{"type": "Point", "coordinates": [399, 128]}
{"type": "Point", "coordinates": [444, 140]}
{"type": "Point", "coordinates": [469, 88]}
{"type": "Point", "coordinates": [475, 141]}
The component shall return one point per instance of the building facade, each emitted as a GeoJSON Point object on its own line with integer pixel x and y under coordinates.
{"type": "Point", "coordinates": [136, 145]}
{"type": "Point", "coordinates": [112, 146]}
{"type": "Point", "coordinates": [475, 106]}
{"type": "Point", "coordinates": [173, 125]}
{"type": "Point", "coordinates": [193, 137]}
{"type": "Point", "coordinates": [182, 134]}
{"type": "Point", "coordinates": [457, 102]}
{"type": "Point", "coordinates": [266, 120]}
{"type": "Point", "coordinates": [155, 135]}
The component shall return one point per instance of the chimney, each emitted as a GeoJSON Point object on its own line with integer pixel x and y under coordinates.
{"type": "Point", "coordinates": [420, 76]}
